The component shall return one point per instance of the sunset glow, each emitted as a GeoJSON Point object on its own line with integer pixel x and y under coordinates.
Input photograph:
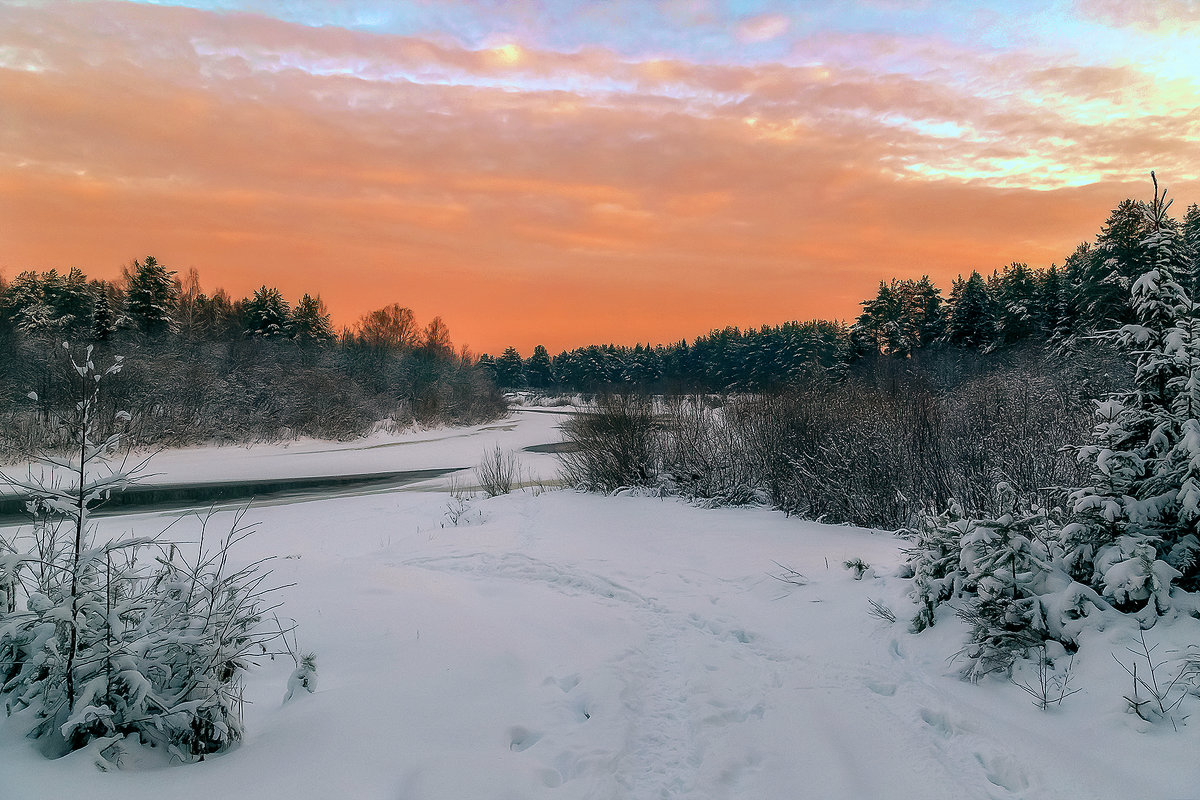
{"type": "Point", "coordinates": [575, 172]}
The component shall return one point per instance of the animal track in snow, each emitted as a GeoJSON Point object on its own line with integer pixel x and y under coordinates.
{"type": "Point", "coordinates": [939, 721]}
{"type": "Point", "coordinates": [1003, 771]}
{"type": "Point", "coordinates": [566, 683]}
{"type": "Point", "coordinates": [521, 739]}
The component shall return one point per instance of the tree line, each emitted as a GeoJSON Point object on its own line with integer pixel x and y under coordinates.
{"type": "Point", "coordinates": [906, 318]}
{"type": "Point", "coordinates": [202, 366]}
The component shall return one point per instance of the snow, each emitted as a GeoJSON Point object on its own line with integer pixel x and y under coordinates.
{"type": "Point", "coordinates": [566, 645]}
{"type": "Point", "coordinates": [381, 452]}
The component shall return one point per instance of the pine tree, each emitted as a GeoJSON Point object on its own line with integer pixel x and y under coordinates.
{"type": "Point", "coordinates": [510, 372]}
{"type": "Point", "coordinates": [971, 321]}
{"type": "Point", "coordinates": [487, 365]}
{"type": "Point", "coordinates": [1017, 303]}
{"type": "Point", "coordinates": [1144, 500]}
{"type": "Point", "coordinates": [310, 321]}
{"type": "Point", "coordinates": [1111, 267]}
{"type": "Point", "coordinates": [930, 320]}
{"type": "Point", "coordinates": [539, 371]}
{"type": "Point", "coordinates": [1191, 249]}
{"type": "Point", "coordinates": [1055, 319]}
{"type": "Point", "coordinates": [268, 314]}
{"type": "Point", "coordinates": [151, 295]}
{"type": "Point", "coordinates": [104, 320]}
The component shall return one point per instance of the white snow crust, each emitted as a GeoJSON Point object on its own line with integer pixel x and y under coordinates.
{"type": "Point", "coordinates": [566, 645]}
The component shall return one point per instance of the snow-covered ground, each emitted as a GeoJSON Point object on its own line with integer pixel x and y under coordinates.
{"type": "Point", "coordinates": [564, 645]}
{"type": "Point", "coordinates": [381, 452]}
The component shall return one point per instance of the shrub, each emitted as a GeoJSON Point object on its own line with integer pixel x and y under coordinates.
{"type": "Point", "coordinates": [611, 446]}
{"type": "Point", "coordinates": [498, 472]}
{"type": "Point", "coordinates": [131, 636]}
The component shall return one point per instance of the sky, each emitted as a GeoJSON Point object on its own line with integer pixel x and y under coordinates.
{"type": "Point", "coordinates": [568, 172]}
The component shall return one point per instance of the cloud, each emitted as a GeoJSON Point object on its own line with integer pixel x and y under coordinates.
{"type": "Point", "coordinates": [763, 28]}
{"type": "Point", "coordinates": [571, 197]}
{"type": "Point", "coordinates": [1148, 15]}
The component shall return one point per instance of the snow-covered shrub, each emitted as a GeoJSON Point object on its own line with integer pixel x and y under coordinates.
{"type": "Point", "coordinates": [857, 567]}
{"type": "Point", "coordinates": [934, 561]}
{"type": "Point", "coordinates": [100, 640]}
{"type": "Point", "coordinates": [1009, 577]}
{"type": "Point", "coordinates": [1006, 563]}
{"type": "Point", "coordinates": [1131, 536]}
{"type": "Point", "coordinates": [1132, 575]}
{"type": "Point", "coordinates": [498, 471]}
{"type": "Point", "coordinates": [304, 676]}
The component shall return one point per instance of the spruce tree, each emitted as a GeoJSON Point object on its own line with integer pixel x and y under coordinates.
{"type": "Point", "coordinates": [510, 372]}
{"type": "Point", "coordinates": [1191, 249]}
{"type": "Point", "coordinates": [930, 321]}
{"type": "Point", "coordinates": [310, 321]}
{"type": "Point", "coordinates": [539, 371]}
{"type": "Point", "coordinates": [151, 295]}
{"type": "Point", "coordinates": [1144, 500]}
{"type": "Point", "coordinates": [1017, 303]}
{"type": "Point", "coordinates": [104, 320]}
{"type": "Point", "coordinates": [268, 314]}
{"type": "Point", "coordinates": [1112, 266]}
{"type": "Point", "coordinates": [971, 321]}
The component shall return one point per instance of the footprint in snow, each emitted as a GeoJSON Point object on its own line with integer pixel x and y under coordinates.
{"type": "Point", "coordinates": [567, 683]}
{"type": "Point", "coordinates": [1003, 771]}
{"type": "Point", "coordinates": [521, 739]}
{"type": "Point", "coordinates": [940, 723]}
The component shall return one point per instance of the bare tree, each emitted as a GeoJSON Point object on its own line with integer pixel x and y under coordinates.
{"type": "Point", "coordinates": [393, 327]}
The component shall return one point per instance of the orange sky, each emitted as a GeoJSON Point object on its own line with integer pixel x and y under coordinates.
{"type": "Point", "coordinates": [602, 188]}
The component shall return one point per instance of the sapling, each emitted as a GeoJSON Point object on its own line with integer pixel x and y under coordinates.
{"type": "Point", "coordinates": [1048, 687]}
{"type": "Point", "coordinates": [1162, 695]}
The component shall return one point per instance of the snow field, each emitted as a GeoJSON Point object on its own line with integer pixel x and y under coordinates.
{"type": "Point", "coordinates": [564, 645]}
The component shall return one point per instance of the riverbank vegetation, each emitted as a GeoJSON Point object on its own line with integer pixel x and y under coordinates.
{"type": "Point", "coordinates": [208, 368]}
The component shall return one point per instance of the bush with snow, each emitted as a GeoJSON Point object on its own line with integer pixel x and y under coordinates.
{"type": "Point", "coordinates": [132, 636]}
{"type": "Point", "coordinates": [1127, 541]}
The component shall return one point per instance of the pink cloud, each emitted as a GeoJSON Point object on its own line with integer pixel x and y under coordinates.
{"type": "Point", "coordinates": [763, 28]}
{"type": "Point", "coordinates": [1150, 15]}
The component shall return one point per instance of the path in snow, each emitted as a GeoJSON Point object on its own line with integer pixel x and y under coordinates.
{"type": "Point", "coordinates": [697, 702]}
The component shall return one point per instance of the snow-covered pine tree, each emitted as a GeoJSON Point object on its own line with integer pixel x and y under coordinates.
{"type": "Point", "coordinates": [1147, 455]}
{"type": "Point", "coordinates": [1005, 562]}
{"type": "Point", "coordinates": [510, 369]}
{"type": "Point", "coordinates": [971, 320]}
{"type": "Point", "coordinates": [1133, 531]}
{"type": "Point", "coordinates": [1108, 270]}
{"type": "Point", "coordinates": [150, 295]}
{"type": "Point", "coordinates": [934, 562]}
{"type": "Point", "coordinates": [104, 319]}
{"type": "Point", "coordinates": [310, 321]}
{"type": "Point", "coordinates": [538, 369]}
{"type": "Point", "coordinates": [267, 314]}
